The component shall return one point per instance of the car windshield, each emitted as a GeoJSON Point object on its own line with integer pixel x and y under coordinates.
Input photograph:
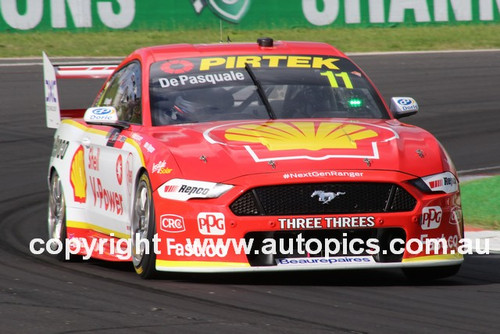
{"type": "Point", "coordinates": [193, 90]}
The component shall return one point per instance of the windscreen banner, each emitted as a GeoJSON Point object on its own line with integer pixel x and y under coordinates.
{"type": "Point", "coordinates": [98, 15]}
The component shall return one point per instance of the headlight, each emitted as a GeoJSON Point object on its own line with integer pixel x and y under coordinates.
{"type": "Point", "coordinates": [182, 190]}
{"type": "Point", "coordinates": [443, 182]}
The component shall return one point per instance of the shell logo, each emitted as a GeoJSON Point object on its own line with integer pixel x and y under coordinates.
{"type": "Point", "coordinates": [77, 176]}
{"type": "Point", "coordinates": [281, 136]}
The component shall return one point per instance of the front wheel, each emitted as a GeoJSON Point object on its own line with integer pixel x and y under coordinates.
{"type": "Point", "coordinates": [143, 229]}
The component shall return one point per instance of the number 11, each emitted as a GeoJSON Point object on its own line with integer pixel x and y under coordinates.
{"type": "Point", "coordinates": [333, 80]}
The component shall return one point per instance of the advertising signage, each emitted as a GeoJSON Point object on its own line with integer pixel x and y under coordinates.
{"type": "Point", "coordinates": [97, 15]}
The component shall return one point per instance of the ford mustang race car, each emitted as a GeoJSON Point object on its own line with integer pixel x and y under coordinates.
{"type": "Point", "coordinates": [262, 156]}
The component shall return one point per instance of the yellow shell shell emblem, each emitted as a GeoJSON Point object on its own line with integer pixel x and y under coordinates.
{"type": "Point", "coordinates": [77, 176]}
{"type": "Point", "coordinates": [281, 136]}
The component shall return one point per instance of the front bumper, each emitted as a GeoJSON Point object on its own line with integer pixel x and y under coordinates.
{"type": "Point", "coordinates": [205, 235]}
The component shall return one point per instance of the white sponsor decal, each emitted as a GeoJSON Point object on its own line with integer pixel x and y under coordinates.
{"type": "Point", "coordinates": [160, 168]}
{"type": "Point", "coordinates": [407, 104]}
{"type": "Point", "coordinates": [322, 174]}
{"type": "Point", "coordinates": [455, 216]}
{"type": "Point", "coordinates": [104, 198]}
{"type": "Point", "coordinates": [101, 114]}
{"type": "Point", "coordinates": [447, 244]}
{"type": "Point", "coordinates": [211, 223]}
{"type": "Point", "coordinates": [172, 224]}
{"type": "Point", "coordinates": [326, 260]}
{"type": "Point", "coordinates": [129, 172]}
{"type": "Point", "coordinates": [445, 182]}
{"type": "Point", "coordinates": [93, 158]}
{"type": "Point", "coordinates": [137, 137]}
{"type": "Point", "coordinates": [150, 148]}
{"type": "Point", "coordinates": [431, 217]}
{"type": "Point", "coordinates": [213, 79]}
{"type": "Point", "coordinates": [182, 190]}
{"type": "Point", "coordinates": [350, 222]}
{"type": "Point", "coordinates": [326, 222]}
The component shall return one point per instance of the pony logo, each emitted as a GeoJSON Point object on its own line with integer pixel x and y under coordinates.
{"type": "Point", "coordinates": [326, 197]}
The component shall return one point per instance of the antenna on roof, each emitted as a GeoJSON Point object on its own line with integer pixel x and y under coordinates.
{"type": "Point", "coordinates": [220, 29]}
{"type": "Point", "coordinates": [221, 32]}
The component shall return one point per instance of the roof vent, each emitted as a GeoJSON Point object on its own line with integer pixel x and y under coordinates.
{"type": "Point", "coordinates": [265, 42]}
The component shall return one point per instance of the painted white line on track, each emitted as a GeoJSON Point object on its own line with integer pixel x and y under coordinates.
{"type": "Point", "coordinates": [85, 60]}
{"type": "Point", "coordinates": [21, 64]}
{"type": "Point", "coordinates": [59, 61]}
{"type": "Point", "coordinates": [390, 53]}
{"type": "Point", "coordinates": [477, 170]}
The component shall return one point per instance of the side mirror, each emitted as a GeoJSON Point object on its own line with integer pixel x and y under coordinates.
{"type": "Point", "coordinates": [403, 106]}
{"type": "Point", "coordinates": [103, 116]}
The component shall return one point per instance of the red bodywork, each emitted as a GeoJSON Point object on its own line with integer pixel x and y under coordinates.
{"type": "Point", "coordinates": [385, 151]}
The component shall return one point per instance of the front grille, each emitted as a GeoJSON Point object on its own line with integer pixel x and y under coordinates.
{"type": "Point", "coordinates": [323, 198]}
{"type": "Point", "coordinates": [287, 244]}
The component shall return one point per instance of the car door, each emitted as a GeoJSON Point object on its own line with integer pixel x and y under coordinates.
{"type": "Point", "coordinates": [110, 159]}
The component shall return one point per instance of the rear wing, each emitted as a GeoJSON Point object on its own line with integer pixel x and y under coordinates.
{"type": "Point", "coordinates": [52, 72]}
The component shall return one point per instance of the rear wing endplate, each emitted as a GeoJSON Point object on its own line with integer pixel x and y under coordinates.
{"type": "Point", "coordinates": [52, 72]}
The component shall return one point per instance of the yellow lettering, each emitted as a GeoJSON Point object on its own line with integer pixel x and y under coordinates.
{"type": "Point", "coordinates": [274, 61]}
{"type": "Point", "coordinates": [207, 63]}
{"type": "Point", "coordinates": [230, 62]}
{"type": "Point", "coordinates": [254, 61]}
{"type": "Point", "coordinates": [319, 62]}
{"type": "Point", "coordinates": [299, 61]}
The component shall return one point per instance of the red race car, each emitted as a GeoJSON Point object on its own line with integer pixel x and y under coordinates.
{"type": "Point", "coordinates": [262, 156]}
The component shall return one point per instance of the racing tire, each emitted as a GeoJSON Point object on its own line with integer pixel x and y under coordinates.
{"type": "Point", "coordinates": [143, 229]}
{"type": "Point", "coordinates": [430, 273]}
{"type": "Point", "coordinates": [57, 218]}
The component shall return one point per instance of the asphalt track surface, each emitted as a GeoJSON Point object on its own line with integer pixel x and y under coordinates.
{"type": "Point", "coordinates": [458, 95]}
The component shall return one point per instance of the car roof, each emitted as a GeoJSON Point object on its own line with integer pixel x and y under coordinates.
{"type": "Point", "coordinates": [172, 51]}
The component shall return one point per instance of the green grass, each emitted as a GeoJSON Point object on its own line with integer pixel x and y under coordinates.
{"type": "Point", "coordinates": [481, 202]}
{"type": "Point", "coordinates": [121, 43]}
{"type": "Point", "coordinates": [480, 199]}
